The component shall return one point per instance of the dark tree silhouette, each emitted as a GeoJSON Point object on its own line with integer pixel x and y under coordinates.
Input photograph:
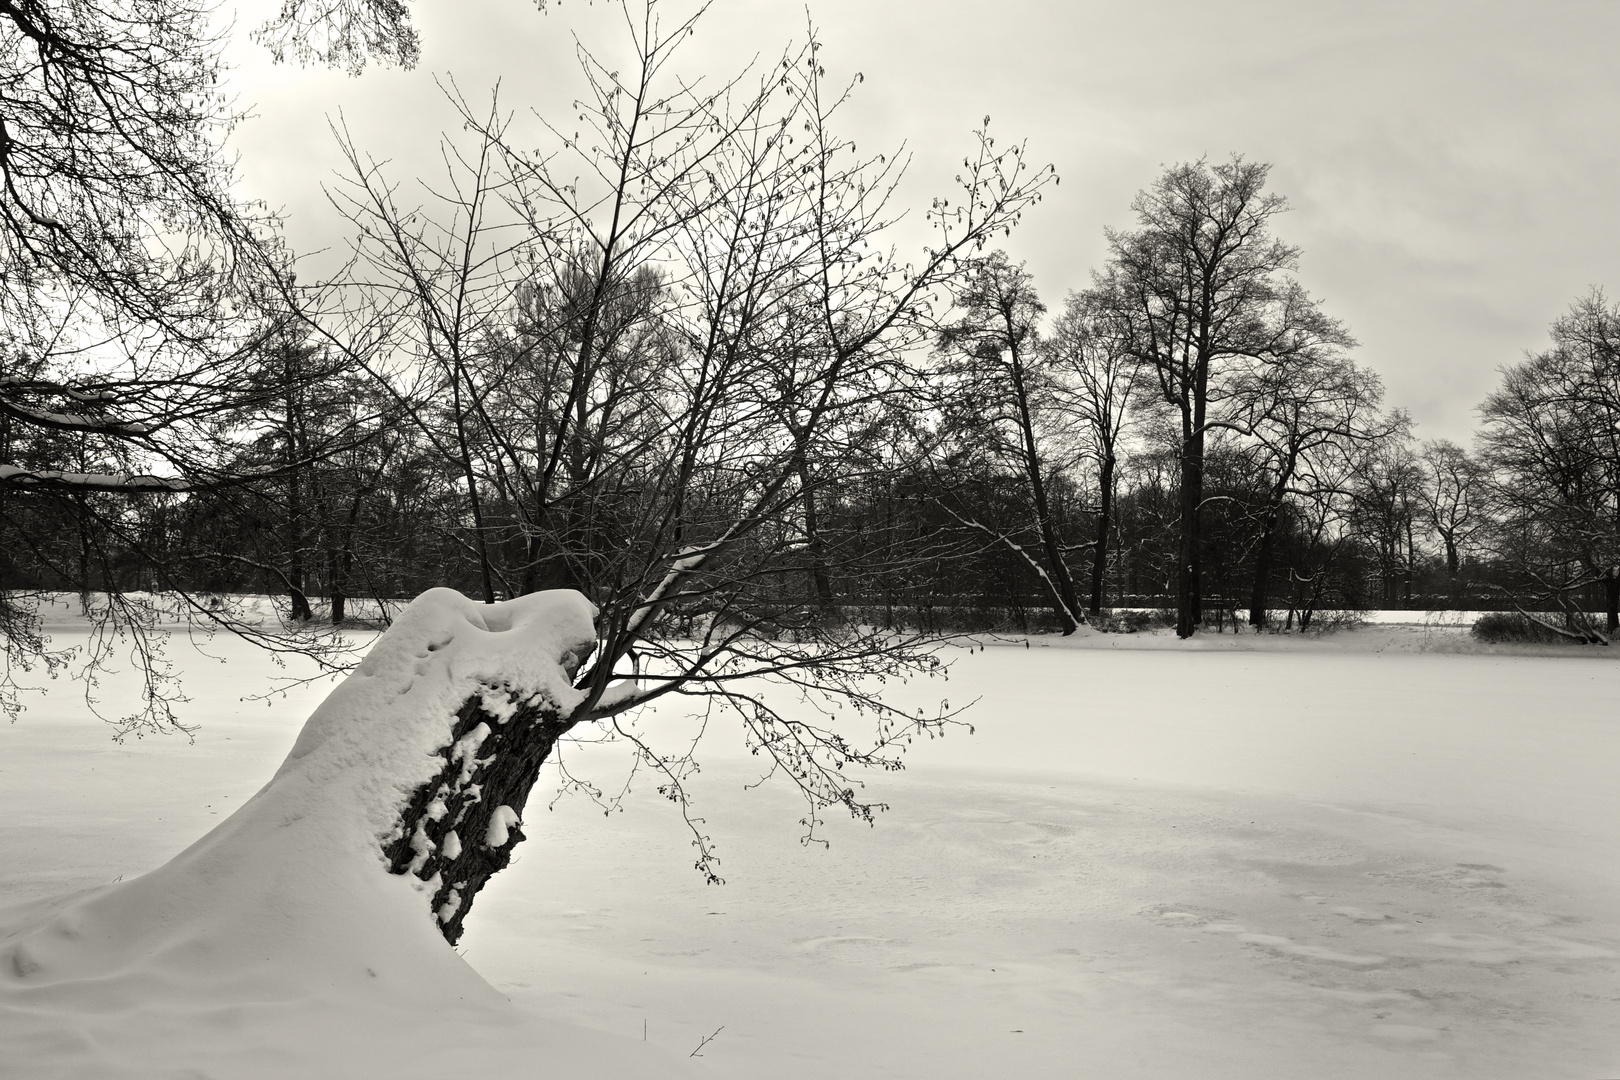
{"type": "Point", "coordinates": [1552, 441]}
{"type": "Point", "coordinates": [993, 391]}
{"type": "Point", "coordinates": [1203, 288]}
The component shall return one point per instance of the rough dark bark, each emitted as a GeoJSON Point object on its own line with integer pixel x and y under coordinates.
{"type": "Point", "coordinates": [1453, 563]}
{"type": "Point", "coordinates": [488, 763]}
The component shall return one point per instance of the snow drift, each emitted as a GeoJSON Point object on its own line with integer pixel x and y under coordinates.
{"type": "Point", "coordinates": [279, 944]}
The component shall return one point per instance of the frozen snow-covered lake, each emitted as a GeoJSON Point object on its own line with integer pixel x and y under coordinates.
{"type": "Point", "coordinates": [1378, 854]}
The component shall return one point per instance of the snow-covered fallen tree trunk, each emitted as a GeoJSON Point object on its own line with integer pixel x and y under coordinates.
{"type": "Point", "coordinates": [418, 763]}
{"type": "Point", "coordinates": [458, 827]}
{"type": "Point", "coordinates": [474, 696]}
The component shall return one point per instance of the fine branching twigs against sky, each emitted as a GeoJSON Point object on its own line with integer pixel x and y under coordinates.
{"type": "Point", "coordinates": [133, 309]}
{"type": "Point", "coordinates": [646, 349]}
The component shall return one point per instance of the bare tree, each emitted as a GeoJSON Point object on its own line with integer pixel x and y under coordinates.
{"type": "Point", "coordinates": [1388, 480]}
{"type": "Point", "coordinates": [1552, 441]}
{"type": "Point", "coordinates": [1453, 497]}
{"type": "Point", "coordinates": [661, 317]}
{"type": "Point", "coordinates": [1202, 285]}
{"type": "Point", "coordinates": [1324, 511]}
{"type": "Point", "coordinates": [125, 262]}
{"type": "Point", "coordinates": [1294, 410]}
{"type": "Point", "coordinates": [994, 387]}
{"type": "Point", "coordinates": [1097, 382]}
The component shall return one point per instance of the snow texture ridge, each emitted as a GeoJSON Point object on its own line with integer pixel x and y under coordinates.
{"type": "Point", "coordinates": [278, 944]}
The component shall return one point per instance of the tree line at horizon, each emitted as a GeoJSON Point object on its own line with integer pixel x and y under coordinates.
{"type": "Point", "coordinates": [1013, 472]}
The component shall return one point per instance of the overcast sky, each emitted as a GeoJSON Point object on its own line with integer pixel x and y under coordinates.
{"type": "Point", "coordinates": [1453, 167]}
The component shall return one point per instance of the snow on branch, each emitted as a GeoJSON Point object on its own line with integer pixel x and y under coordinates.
{"type": "Point", "coordinates": [1018, 549]}
{"type": "Point", "coordinates": [64, 421]}
{"type": "Point", "coordinates": [13, 476]}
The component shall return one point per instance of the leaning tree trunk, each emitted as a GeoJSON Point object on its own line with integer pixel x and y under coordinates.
{"type": "Point", "coordinates": [1065, 606]}
{"type": "Point", "coordinates": [289, 887]}
{"type": "Point", "coordinates": [458, 829]}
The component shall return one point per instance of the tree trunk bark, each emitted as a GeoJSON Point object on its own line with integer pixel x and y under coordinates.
{"type": "Point", "coordinates": [459, 828]}
{"type": "Point", "coordinates": [1268, 535]}
{"type": "Point", "coordinates": [1105, 510]}
{"type": "Point", "coordinates": [1611, 598]}
{"type": "Point", "coordinates": [1190, 598]}
{"type": "Point", "coordinates": [812, 530]}
{"type": "Point", "coordinates": [1410, 569]}
{"type": "Point", "coordinates": [297, 598]}
{"type": "Point", "coordinates": [1189, 602]}
{"type": "Point", "coordinates": [295, 550]}
{"type": "Point", "coordinates": [1262, 570]}
{"type": "Point", "coordinates": [1067, 602]}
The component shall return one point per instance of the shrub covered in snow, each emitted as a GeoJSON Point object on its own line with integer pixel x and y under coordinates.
{"type": "Point", "coordinates": [1503, 627]}
{"type": "Point", "coordinates": [1133, 621]}
{"type": "Point", "coordinates": [1328, 622]}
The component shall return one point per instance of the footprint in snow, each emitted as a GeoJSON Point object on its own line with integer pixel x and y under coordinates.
{"type": "Point", "coordinates": [1212, 923]}
{"type": "Point", "coordinates": [1370, 918]}
{"type": "Point", "coordinates": [1491, 949]}
{"type": "Point", "coordinates": [1404, 1033]}
{"type": "Point", "coordinates": [842, 944]}
{"type": "Point", "coordinates": [1183, 914]}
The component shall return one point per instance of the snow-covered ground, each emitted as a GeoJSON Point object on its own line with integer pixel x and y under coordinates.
{"type": "Point", "coordinates": [1382, 853]}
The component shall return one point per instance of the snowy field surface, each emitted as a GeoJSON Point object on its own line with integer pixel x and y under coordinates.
{"type": "Point", "coordinates": [1384, 853]}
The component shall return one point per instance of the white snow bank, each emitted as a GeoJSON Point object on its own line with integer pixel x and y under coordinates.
{"type": "Point", "coordinates": [278, 944]}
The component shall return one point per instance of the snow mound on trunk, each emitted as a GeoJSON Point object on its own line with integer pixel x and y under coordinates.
{"type": "Point", "coordinates": [278, 944]}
